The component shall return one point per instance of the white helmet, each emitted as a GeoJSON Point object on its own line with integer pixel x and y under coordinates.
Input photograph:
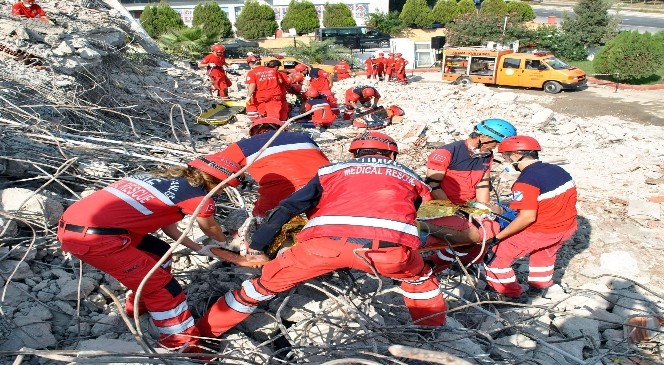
{"type": "Point", "coordinates": [250, 53]}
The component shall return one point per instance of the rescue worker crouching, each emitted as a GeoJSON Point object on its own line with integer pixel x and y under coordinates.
{"type": "Point", "coordinates": [360, 96]}
{"type": "Point", "coordinates": [459, 172]}
{"type": "Point", "coordinates": [545, 197]}
{"type": "Point", "coordinates": [110, 230]}
{"type": "Point", "coordinates": [28, 9]}
{"type": "Point", "coordinates": [363, 217]}
{"type": "Point", "coordinates": [323, 116]}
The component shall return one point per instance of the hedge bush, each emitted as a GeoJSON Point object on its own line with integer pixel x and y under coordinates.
{"type": "Point", "coordinates": [256, 20]}
{"type": "Point", "coordinates": [520, 11]}
{"type": "Point", "coordinates": [416, 14]}
{"type": "Point", "coordinates": [159, 19]}
{"type": "Point", "coordinates": [630, 56]}
{"type": "Point", "coordinates": [337, 15]}
{"type": "Point", "coordinates": [212, 19]}
{"type": "Point", "coordinates": [302, 16]}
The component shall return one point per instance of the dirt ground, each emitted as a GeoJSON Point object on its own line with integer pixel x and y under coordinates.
{"type": "Point", "coordinates": [646, 107]}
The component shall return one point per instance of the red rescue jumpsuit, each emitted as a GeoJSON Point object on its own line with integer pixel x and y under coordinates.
{"type": "Point", "coordinates": [463, 173]}
{"type": "Point", "coordinates": [109, 230]}
{"type": "Point", "coordinates": [285, 107]}
{"type": "Point", "coordinates": [400, 70]}
{"type": "Point", "coordinates": [354, 94]}
{"type": "Point", "coordinates": [370, 66]}
{"type": "Point", "coordinates": [284, 167]}
{"type": "Point", "coordinates": [389, 68]}
{"type": "Point", "coordinates": [380, 70]}
{"type": "Point", "coordinates": [267, 96]}
{"type": "Point", "coordinates": [551, 191]}
{"type": "Point", "coordinates": [343, 232]}
{"type": "Point", "coordinates": [220, 81]}
{"type": "Point", "coordinates": [343, 70]}
{"type": "Point", "coordinates": [323, 115]}
{"type": "Point", "coordinates": [34, 11]}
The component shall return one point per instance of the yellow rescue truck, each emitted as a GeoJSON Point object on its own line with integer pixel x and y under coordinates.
{"type": "Point", "coordinates": [465, 65]}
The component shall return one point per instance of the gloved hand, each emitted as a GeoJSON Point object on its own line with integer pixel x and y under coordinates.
{"type": "Point", "coordinates": [206, 251]}
{"type": "Point", "coordinates": [211, 65]}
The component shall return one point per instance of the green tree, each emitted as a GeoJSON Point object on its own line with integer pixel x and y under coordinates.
{"type": "Point", "coordinates": [159, 19]}
{"type": "Point", "coordinates": [467, 7]}
{"type": "Point", "coordinates": [564, 46]}
{"type": "Point", "coordinates": [659, 40]}
{"type": "Point", "coordinates": [302, 16]}
{"type": "Point", "coordinates": [630, 56]}
{"type": "Point", "coordinates": [495, 7]}
{"type": "Point", "coordinates": [592, 25]}
{"type": "Point", "coordinates": [256, 20]}
{"type": "Point", "coordinates": [416, 14]}
{"type": "Point", "coordinates": [188, 43]}
{"type": "Point", "coordinates": [445, 11]}
{"type": "Point", "coordinates": [212, 19]}
{"type": "Point", "coordinates": [389, 23]}
{"type": "Point", "coordinates": [317, 52]}
{"type": "Point", "coordinates": [477, 29]}
{"type": "Point", "coordinates": [337, 15]}
{"type": "Point", "coordinates": [520, 11]}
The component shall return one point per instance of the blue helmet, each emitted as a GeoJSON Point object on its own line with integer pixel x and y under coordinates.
{"type": "Point", "coordinates": [498, 129]}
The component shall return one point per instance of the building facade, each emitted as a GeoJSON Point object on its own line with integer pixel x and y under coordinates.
{"type": "Point", "coordinates": [359, 8]}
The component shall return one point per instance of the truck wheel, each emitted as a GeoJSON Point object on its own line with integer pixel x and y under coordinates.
{"type": "Point", "coordinates": [384, 44]}
{"type": "Point", "coordinates": [552, 87]}
{"type": "Point", "coordinates": [464, 81]}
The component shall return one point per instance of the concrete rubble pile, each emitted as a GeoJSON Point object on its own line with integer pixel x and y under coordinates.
{"type": "Point", "coordinates": [100, 108]}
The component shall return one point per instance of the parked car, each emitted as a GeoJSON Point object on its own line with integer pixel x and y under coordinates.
{"type": "Point", "coordinates": [355, 37]}
{"type": "Point", "coordinates": [289, 63]}
{"type": "Point", "coordinates": [237, 48]}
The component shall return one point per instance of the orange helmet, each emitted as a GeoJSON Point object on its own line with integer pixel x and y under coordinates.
{"type": "Point", "coordinates": [218, 167]}
{"type": "Point", "coordinates": [373, 140]}
{"type": "Point", "coordinates": [300, 67]}
{"type": "Point", "coordinates": [217, 48]}
{"type": "Point", "coordinates": [267, 122]}
{"type": "Point", "coordinates": [368, 92]}
{"type": "Point", "coordinates": [519, 143]}
{"type": "Point", "coordinates": [311, 93]}
{"type": "Point", "coordinates": [296, 77]}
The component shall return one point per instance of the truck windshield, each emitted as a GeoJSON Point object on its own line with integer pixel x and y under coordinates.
{"type": "Point", "coordinates": [556, 64]}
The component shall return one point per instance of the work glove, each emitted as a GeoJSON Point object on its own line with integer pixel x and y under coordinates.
{"type": "Point", "coordinates": [212, 65]}
{"type": "Point", "coordinates": [206, 250]}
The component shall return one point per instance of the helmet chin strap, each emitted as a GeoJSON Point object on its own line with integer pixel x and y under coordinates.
{"type": "Point", "coordinates": [516, 163]}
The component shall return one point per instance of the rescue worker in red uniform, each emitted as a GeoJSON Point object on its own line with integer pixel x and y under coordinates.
{"type": "Point", "coordinates": [344, 232]}
{"type": "Point", "coordinates": [459, 172]}
{"type": "Point", "coordinates": [264, 90]}
{"type": "Point", "coordinates": [323, 116]}
{"type": "Point", "coordinates": [400, 68]}
{"type": "Point", "coordinates": [545, 197]}
{"type": "Point", "coordinates": [28, 9]}
{"type": "Point", "coordinates": [380, 62]}
{"type": "Point", "coordinates": [215, 63]}
{"type": "Point", "coordinates": [110, 230]}
{"type": "Point", "coordinates": [252, 59]}
{"type": "Point", "coordinates": [389, 67]}
{"type": "Point", "coordinates": [287, 165]}
{"type": "Point", "coordinates": [359, 96]}
{"type": "Point", "coordinates": [285, 81]}
{"type": "Point", "coordinates": [371, 67]}
{"type": "Point", "coordinates": [342, 69]}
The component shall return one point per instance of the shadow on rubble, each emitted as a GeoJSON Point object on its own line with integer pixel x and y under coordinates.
{"type": "Point", "coordinates": [574, 246]}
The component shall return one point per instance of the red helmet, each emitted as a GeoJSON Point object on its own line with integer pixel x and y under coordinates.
{"type": "Point", "coordinates": [519, 143]}
{"type": "Point", "coordinates": [368, 92]}
{"type": "Point", "coordinates": [390, 54]}
{"type": "Point", "coordinates": [300, 67]}
{"type": "Point", "coordinates": [218, 167]}
{"type": "Point", "coordinates": [395, 110]}
{"type": "Point", "coordinates": [398, 54]}
{"type": "Point", "coordinates": [381, 53]}
{"type": "Point", "coordinates": [296, 77]}
{"type": "Point", "coordinates": [374, 140]}
{"type": "Point", "coordinates": [311, 93]}
{"type": "Point", "coordinates": [217, 48]}
{"type": "Point", "coordinates": [273, 122]}
{"type": "Point", "coordinates": [323, 74]}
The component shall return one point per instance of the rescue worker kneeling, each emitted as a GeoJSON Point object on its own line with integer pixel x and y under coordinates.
{"type": "Point", "coordinates": [363, 218]}
{"type": "Point", "coordinates": [322, 115]}
{"type": "Point", "coordinates": [110, 228]}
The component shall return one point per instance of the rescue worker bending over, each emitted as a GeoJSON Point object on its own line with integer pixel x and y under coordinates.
{"type": "Point", "coordinates": [459, 172]}
{"type": "Point", "coordinates": [110, 231]}
{"type": "Point", "coordinates": [287, 165]}
{"type": "Point", "coordinates": [323, 116]}
{"type": "Point", "coordinates": [545, 197]}
{"type": "Point", "coordinates": [363, 218]}
{"type": "Point", "coordinates": [28, 9]}
{"type": "Point", "coordinates": [215, 63]}
{"type": "Point", "coordinates": [359, 96]}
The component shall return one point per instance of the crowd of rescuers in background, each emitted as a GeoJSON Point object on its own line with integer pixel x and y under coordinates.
{"type": "Point", "coordinates": [28, 9]}
{"type": "Point", "coordinates": [111, 229]}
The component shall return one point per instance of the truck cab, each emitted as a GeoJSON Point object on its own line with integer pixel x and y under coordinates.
{"type": "Point", "coordinates": [504, 67]}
